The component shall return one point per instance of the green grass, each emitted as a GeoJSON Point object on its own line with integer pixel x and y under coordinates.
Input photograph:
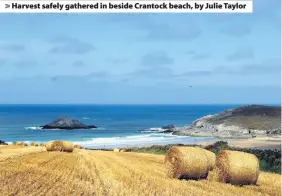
{"type": "Point", "coordinates": [252, 122]}
{"type": "Point", "coordinates": [269, 160]}
{"type": "Point", "coordinates": [155, 149]}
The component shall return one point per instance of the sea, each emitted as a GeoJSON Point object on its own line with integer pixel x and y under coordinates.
{"type": "Point", "coordinates": [118, 125]}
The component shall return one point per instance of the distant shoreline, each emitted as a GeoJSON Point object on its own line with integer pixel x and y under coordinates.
{"type": "Point", "coordinates": [257, 143]}
{"type": "Point", "coordinates": [262, 143]}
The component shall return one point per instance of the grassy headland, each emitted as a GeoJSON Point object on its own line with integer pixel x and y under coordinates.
{"type": "Point", "coordinates": [247, 121]}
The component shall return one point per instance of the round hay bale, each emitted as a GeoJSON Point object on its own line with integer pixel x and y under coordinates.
{"type": "Point", "coordinates": [67, 146]}
{"type": "Point", "coordinates": [116, 150]}
{"type": "Point", "coordinates": [122, 150]}
{"type": "Point", "coordinates": [237, 168]}
{"type": "Point", "coordinates": [33, 144]}
{"type": "Point", "coordinates": [62, 146]}
{"type": "Point", "coordinates": [42, 145]}
{"type": "Point", "coordinates": [211, 159]}
{"type": "Point", "coordinates": [78, 146]}
{"type": "Point", "coordinates": [21, 144]}
{"type": "Point", "coordinates": [49, 146]}
{"type": "Point", "coordinates": [186, 163]}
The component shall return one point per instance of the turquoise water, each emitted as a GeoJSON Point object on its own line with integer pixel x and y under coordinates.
{"type": "Point", "coordinates": [118, 125]}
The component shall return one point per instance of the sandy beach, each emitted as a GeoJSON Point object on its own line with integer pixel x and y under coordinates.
{"type": "Point", "coordinates": [256, 143]}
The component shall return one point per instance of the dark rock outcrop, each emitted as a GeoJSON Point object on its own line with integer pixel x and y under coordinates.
{"type": "Point", "coordinates": [67, 123]}
{"type": "Point", "coordinates": [167, 131]}
{"type": "Point", "coordinates": [163, 129]}
{"type": "Point", "coordinates": [3, 142]}
{"type": "Point", "coordinates": [168, 127]}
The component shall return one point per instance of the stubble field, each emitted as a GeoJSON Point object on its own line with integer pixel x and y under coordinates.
{"type": "Point", "coordinates": [33, 171]}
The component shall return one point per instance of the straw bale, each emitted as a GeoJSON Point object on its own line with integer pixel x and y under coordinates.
{"type": "Point", "coordinates": [68, 146]}
{"type": "Point", "coordinates": [186, 163]}
{"type": "Point", "coordinates": [78, 146]}
{"type": "Point", "coordinates": [49, 146]}
{"type": "Point", "coordinates": [21, 144]}
{"type": "Point", "coordinates": [237, 168]}
{"type": "Point", "coordinates": [122, 150]}
{"type": "Point", "coordinates": [116, 150]}
{"type": "Point", "coordinates": [211, 159]}
{"type": "Point", "coordinates": [33, 144]}
{"type": "Point", "coordinates": [62, 146]}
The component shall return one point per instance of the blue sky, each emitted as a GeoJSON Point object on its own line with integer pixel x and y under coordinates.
{"type": "Point", "coordinates": [142, 58]}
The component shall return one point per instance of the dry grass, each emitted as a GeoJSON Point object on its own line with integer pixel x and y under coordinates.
{"type": "Point", "coordinates": [101, 173]}
{"type": "Point", "coordinates": [10, 147]}
{"type": "Point", "coordinates": [12, 151]}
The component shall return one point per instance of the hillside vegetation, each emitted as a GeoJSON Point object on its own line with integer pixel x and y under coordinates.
{"type": "Point", "coordinates": [251, 117]}
{"type": "Point", "coordinates": [85, 172]}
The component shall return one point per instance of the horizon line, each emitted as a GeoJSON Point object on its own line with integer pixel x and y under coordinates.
{"type": "Point", "coordinates": [114, 104]}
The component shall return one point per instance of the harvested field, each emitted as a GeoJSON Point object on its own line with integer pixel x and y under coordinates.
{"type": "Point", "coordinates": [10, 147]}
{"type": "Point", "coordinates": [85, 172]}
{"type": "Point", "coordinates": [12, 151]}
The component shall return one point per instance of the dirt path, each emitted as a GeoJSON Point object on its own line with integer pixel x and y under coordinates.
{"type": "Point", "coordinates": [255, 143]}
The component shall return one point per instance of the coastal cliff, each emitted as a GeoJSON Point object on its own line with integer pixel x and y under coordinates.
{"type": "Point", "coordinates": [242, 122]}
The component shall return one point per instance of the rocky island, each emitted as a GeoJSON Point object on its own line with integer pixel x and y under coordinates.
{"type": "Point", "coordinates": [3, 142]}
{"type": "Point", "coordinates": [67, 123]}
{"type": "Point", "coordinates": [242, 122]}
{"type": "Point", "coordinates": [163, 129]}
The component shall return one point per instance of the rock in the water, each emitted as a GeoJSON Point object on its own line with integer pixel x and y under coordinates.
{"type": "Point", "coordinates": [168, 127]}
{"type": "Point", "coordinates": [3, 142]}
{"type": "Point", "coordinates": [158, 130]}
{"type": "Point", "coordinates": [67, 123]}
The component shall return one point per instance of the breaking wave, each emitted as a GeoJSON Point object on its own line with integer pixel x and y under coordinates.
{"type": "Point", "coordinates": [153, 130]}
{"type": "Point", "coordinates": [33, 128]}
{"type": "Point", "coordinates": [140, 140]}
